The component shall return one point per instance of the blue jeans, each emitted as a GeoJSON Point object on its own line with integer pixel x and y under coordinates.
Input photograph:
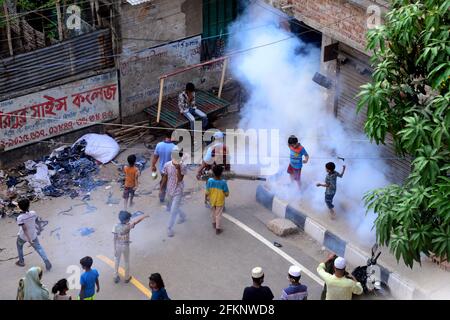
{"type": "Point", "coordinates": [174, 205]}
{"type": "Point", "coordinates": [190, 115]}
{"type": "Point", "coordinates": [36, 245]}
{"type": "Point", "coordinates": [329, 200]}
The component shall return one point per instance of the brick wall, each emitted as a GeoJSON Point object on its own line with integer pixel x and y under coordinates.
{"type": "Point", "coordinates": [342, 20]}
{"type": "Point", "coordinates": [336, 18]}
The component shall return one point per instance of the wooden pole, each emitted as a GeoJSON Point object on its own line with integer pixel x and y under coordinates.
{"type": "Point", "coordinates": [97, 7]}
{"type": "Point", "coordinates": [161, 90]}
{"type": "Point", "coordinates": [222, 78]}
{"type": "Point", "coordinates": [58, 15]}
{"type": "Point", "coordinates": [8, 29]}
{"type": "Point", "coordinates": [92, 13]}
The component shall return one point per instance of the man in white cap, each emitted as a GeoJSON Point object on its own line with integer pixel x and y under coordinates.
{"type": "Point", "coordinates": [174, 171]}
{"type": "Point", "coordinates": [257, 292]}
{"type": "Point", "coordinates": [339, 285]}
{"type": "Point", "coordinates": [296, 290]}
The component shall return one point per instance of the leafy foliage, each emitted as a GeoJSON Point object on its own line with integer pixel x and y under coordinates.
{"type": "Point", "coordinates": [409, 99]}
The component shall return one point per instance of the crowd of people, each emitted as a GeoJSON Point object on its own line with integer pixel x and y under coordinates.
{"type": "Point", "coordinates": [172, 168]}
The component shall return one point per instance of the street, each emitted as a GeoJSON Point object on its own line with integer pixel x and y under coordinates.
{"type": "Point", "coordinates": [195, 264]}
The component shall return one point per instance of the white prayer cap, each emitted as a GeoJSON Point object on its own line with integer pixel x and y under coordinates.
{"type": "Point", "coordinates": [295, 271]}
{"type": "Point", "coordinates": [257, 273]}
{"type": "Point", "coordinates": [218, 135]}
{"type": "Point", "coordinates": [339, 263]}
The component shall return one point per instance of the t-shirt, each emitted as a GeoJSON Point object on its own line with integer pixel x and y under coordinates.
{"type": "Point", "coordinates": [217, 153]}
{"type": "Point", "coordinates": [27, 219]}
{"type": "Point", "coordinates": [257, 294]}
{"type": "Point", "coordinates": [295, 292]}
{"type": "Point", "coordinates": [217, 190]}
{"type": "Point", "coordinates": [164, 151]}
{"type": "Point", "coordinates": [88, 280]}
{"type": "Point", "coordinates": [330, 180]}
{"type": "Point", "coordinates": [338, 288]}
{"type": "Point", "coordinates": [123, 232]}
{"type": "Point", "coordinates": [296, 155]}
{"type": "Point", "coordinates": [174, 187]}
{"type": "Point", "coordinates": [183, 102]}
{"type": "Point", "coordinates": [130, 176]}
{"type": "Point", "coordinates": [160, 294]}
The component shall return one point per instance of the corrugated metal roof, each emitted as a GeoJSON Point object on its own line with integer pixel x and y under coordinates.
{"type": "Point", "coordinates": [92, 51]}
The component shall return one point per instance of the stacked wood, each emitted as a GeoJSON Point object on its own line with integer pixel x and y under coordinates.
{"type": "Point", "coordinates": [129, 133]}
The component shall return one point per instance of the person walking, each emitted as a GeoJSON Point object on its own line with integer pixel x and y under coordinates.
{"type": "Point", "coordinates": [122, 242]}
{"type": "Point", "coordinates": [257, 292]}
{"type": "Point", "coordinates": [175, 171]}
{"type": "Point", "coordinates": [296, 290]}
{"type": "Point", "coordinates": [28, 233]}
{"type": "Point", "coordinates": [88, 280]}
{"type": "Point", "coordinates": [156, 284]}
{"type": "Point", "coordinates": [330, 185]}
{"type": "Point", "coordinates": [163, 153]}
{"type": "Point", "coordinates": [297, 152]}
{"type": "Point", "coordinates": [31, 287]}
{"type": "Point", "coordinates": [131, 180]}
{"type": "Point", "coordinates": [340, 285]}
{"type": "Point", "coordinates": [216, 192]}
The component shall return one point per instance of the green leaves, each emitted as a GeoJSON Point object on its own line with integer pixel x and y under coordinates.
{"type": "Point", "coordinates": [409, 98]}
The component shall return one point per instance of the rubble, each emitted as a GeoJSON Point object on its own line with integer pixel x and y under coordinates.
{"type": "Point", "coordinates": [67, 171]}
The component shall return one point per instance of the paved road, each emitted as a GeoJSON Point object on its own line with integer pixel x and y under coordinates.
{"type": "Point", "coordinates": [195, 264]}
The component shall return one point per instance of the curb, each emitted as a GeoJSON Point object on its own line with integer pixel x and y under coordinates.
{"type": "Point", "coordinates": [399, 287]}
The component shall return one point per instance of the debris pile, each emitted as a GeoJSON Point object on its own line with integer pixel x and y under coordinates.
{"type": "Point", "coordinates": [67, 171]}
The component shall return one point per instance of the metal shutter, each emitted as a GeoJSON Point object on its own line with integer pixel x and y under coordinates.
{"type": "Point", "coordinates": [352, 73]}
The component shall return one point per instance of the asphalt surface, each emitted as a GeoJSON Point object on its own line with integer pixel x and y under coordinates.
{"type": "Point", "coordinates": [195, 264]}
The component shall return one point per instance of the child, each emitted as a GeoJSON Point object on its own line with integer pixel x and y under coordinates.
{"type": "Point", "coordinates": [156, 284]}
{"type": "Point", "coordinates": [122, 242]}
{"type": "Point", "coordinates": [296, 153]}
{"type": "Point", "coordinates": [88, 280]}
{"type": "Point", "coordinates": [330, 185]}
{"type": "Point", "coordinates": [60, 290]}
{"type": "Point", "coordinates": [216, 191]}
{"type": "Point", "coordinates": [296, 290]}
{"type": "Point", "coordinates": [131, 180]}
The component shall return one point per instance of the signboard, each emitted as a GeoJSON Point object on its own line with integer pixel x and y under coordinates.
{"type": "Point", "coordinates": [140, 72]}
{"type": "Point", "coordinates": [45, 114]}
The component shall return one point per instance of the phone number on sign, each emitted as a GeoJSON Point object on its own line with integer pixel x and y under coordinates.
{"type": "Point", "coordinates": [54, 130]}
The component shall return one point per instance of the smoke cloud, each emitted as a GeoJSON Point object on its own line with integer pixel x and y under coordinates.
{"type": "Point", "coordinates": [278, 76]}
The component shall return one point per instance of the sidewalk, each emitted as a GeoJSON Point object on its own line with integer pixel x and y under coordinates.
{"type": "Point", "coordinates": [425, 281]}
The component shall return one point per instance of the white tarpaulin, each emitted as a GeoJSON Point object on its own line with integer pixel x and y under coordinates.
{"type": "Point", "coordinates": [101, 147]}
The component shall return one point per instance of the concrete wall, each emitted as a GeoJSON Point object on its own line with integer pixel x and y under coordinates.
{"type": "Point", "coordinates": [147, 26]}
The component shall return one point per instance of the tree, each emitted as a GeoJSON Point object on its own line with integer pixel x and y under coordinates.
{"type": "Point", "coordinates": [408, 98]}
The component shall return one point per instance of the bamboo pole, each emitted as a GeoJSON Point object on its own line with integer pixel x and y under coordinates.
{"type": "Point", "coordinates": [97, 7]}
{"type": "Point", "coordinates": [222, 78]}
{"type": "Point", "coordinates": [93, 14]}
{"type": "Point", "coordinates": [58, 15]}
{"type": "Point", "coordinates": [161, 90]}
{"type": "Point", "coordinates": [8, 29]}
